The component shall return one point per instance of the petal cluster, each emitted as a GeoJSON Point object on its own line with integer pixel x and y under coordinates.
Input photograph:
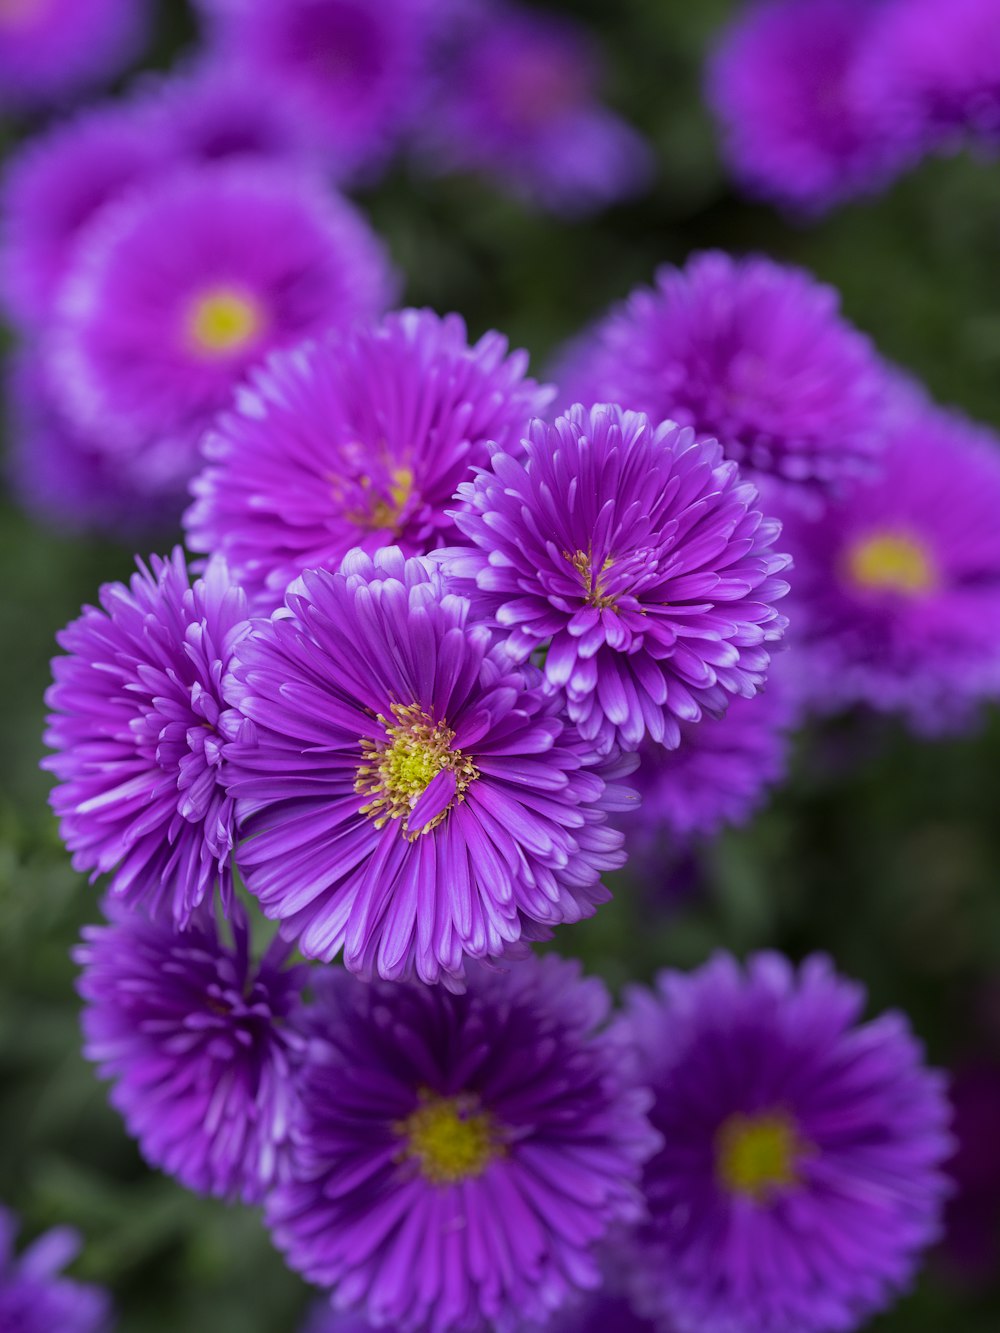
{"type": "Point", "coordinates": [35, 1297]}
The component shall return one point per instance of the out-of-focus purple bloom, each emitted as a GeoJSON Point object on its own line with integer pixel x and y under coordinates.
{"type": "Point", "coordinates": [350, 68]}
{"type": "Point", "coordinates": [51, 51]}
{"type": "Point", "coordinates": [178, 291]}
{"type": "Point", "coordinates": [138, 726]}
{"type": "Point", "coordinates": [896, 593]}
{"type": "Point", "coordinates": [410, 797]}
{"type": "Point", "coordinates": [322, 1318]}
{"type": "Point", "coordinates": [800, 1176]}
{"type": "Point", "coordinates": [58, 475]}
{"type": "Point", "coordinates": [749, 352]}
{"type": "Point", "coordinates": [796, 120]}
{"type": "Point", "coordinates": [54, 185]}
{"type": "Point", "coordinates": [201, 1045]}
{"type": "Point", "coordinates": [638, 556]}
{"type": "Point", "coordinates": [515, 96]}
{"type": "Point", "coordinates": [719, 775]}
{"type": "Point", "coordinates": [358, 440]}
{"type": "Point", "coordinates": [972, 1219]}
{"type": "Point", "coordinates": [459, 1159]}
{"type": "Point", "coordinates": [34, 1298]}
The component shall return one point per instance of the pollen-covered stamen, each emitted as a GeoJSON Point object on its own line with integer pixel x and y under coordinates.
{"type": "Point", "coordinates": [595, 590]}
{"type": "Point", "coordinates": [757, 1155]}
{"type": "Point", "coordinates": [401, 773]}
{"type": "Point", "coordinates": [891, 562]}
{"type": "Point", "coordinates": [381, 507]}
{"type": "Point", "coordinates": [223, 320]}
{"type": "Point", "coordinates": [450, 1138]}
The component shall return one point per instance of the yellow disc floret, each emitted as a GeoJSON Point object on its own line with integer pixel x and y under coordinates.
{"type": "Point", "coordinates": [891, 562]}
{"type": "Point", "coordinates": [757, 1155]}
{"type": "Point", "coordinates": [223, 320]}
{"type": "Point", "coordinates": [450, 1138]}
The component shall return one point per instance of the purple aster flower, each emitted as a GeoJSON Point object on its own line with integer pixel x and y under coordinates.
{"type": "Point", "coordinates": [935, 71]}
{"type": "Point", "coordinates": [411, 797]}
{"type": "Point", "coordinates": [54, 185]}
{"type": "Point", "coordinates": [50, 51]}
{"type": "Point", "coordinates": [177, 292]}
{"type": "Point", "coordinates": [720, 774]}
{"type": "Point", "coordinates": [794, 116]}
{"type": "Point", "coordinates": [138, 727]}
{"type": "Point", "coordinates": [34, 1297]}
{"type": "Point", "coordinates": [201, 1044]}
{"type": "Point", "coordinates": [800, 1175]}
{"type": "Point", "coordinates": [351, 69]}
{"type": "Point", "coordinates": [897, 586]}
{"type": "Point", "coordinates": [358, 440]}
{"type": "Point", "coordinates": [59, 476]}
{"type": "Point", "coordinates": [458, 1160]}
{"type": "Point", "coordinates": [636, 555]}
{"type": "Point", "coordinates": [752, 353]}
{"type": "Point", "coordinates": [515, 96]}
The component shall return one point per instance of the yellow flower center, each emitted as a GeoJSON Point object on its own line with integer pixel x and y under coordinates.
{"type": "Point", "coordinates": [383, 511]}
{"type": "Point", "coordinates": [891, 562]}
{"type": "Point", "coordinates": [450, 1138]}
{"type": "Point", "coordinates": [397, 771]}
{"type": "Point", "coordinates": [594, 593]}
{"type": "Point", "coordinates": [222, 321]}
{"type": "Point", "coordinates": [757, 1154]}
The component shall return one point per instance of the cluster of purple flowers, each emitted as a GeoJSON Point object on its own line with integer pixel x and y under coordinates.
{"type": "Point", "coordinates": [821, 100]}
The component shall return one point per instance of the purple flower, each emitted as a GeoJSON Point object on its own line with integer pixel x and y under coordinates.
{"type": "Point", "coordinates": [137, 723]}
{"type": "Point", "coordinates": [459, 1159]}
{"type": "Point", "coordinates": [51, 51]}
{"type": "Point", "coordinates": [800, 1175]}
{"type": "Point", "coordinates": [177, 292]}
{"type": "Point", "coordinates": [34, 1298]}
{"type": "Point", "coordinates": [358, 440]}
{"type": "Point", "coordinates": [515, 96]}
{"type": "Point", "coordinates": [795, 120]}
{"type": "Point", "coordinates": [752, 353]}
{"type": "Point", "coordinates": [637, 555]}
{"type": "Point", "coordinates": [350, 68]}
{"type": "Point", "coordinates": [54, 185]}
{"type": "Point", "coordinates": [896, 597]}
{"type": "Point", "coordinates": [410, 796]}
{"type": "Point", "coordinates": [201, 1044]}
{"type": "Point", "coordinates": [719, 775]}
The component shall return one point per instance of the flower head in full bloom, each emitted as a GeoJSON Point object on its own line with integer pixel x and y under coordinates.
{"type": "Point", "coordinates": [800, 1175]}
{"type": "Point", "coordinates": [201, 1044]}
{"type": "Point", "coordinates": [34, 1297]}
{"type": "Point", "coordinates": [795, 119]}
{"type": "Point", "coordinates": [138, 725]}
{"type": "Point", "coordinates": [638, 556]}
{"type": "Point", "coordinates": [896, 599]}
{"type": "Point", "coordinates": [410, 796]}
{"type": "Point", "coordinates": [459, 1158]}
{"type": "Point", "coordinates": [513, 93]}
{"type": "Point", "coordinates": [178, 291]}
{"type": "Point", "coordinates": [749, 352]}
{"type": "Point", "coordinates": [358, 440]}
{"type": "Point", "coordinates": [51, 51]}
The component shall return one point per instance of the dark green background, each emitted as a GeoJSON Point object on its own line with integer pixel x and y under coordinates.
{"type": "Point", "coordinates": [882, 850]}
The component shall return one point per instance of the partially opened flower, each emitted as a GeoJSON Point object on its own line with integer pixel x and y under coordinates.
{"type": "Point", "coordinates": [800, 1177]}
{"type": "Point", "coordinates": [138, 726]}
{"type": "Point", "coordinates": [896, 597]}
{"type": "Point", "coordinates": [749, 352]}
{"type": "Point", "coordinates": [178, 291]}
{"type": "Point", "coordinates": [35, 1297]}
{"type": "Point", "coordinates": [51, 52]}
{"type": "Point", "coordinates": [796, 120]}
{"type": "Point", "coordinates": [409, 796]}
{"type": "Point", "coordinates": [636, 556]}
{"type": "Point", "coordinates": [459, 1159]}
{"type": "Point", "coordinates": [201, 1045]}
{"type": "Point", "coordinates": [515, 95]}
{"type": "Point", "coordinates": [358, 440]}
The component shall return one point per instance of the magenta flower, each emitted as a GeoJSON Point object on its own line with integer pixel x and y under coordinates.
{"type": "Point", "coordinates": [358, 440]}
{"type": "Point", "coordinates": [409, 796]}
{"type": "Point", "coordinates": [460, 1158]}
{"type": "Point", "coordinates": [636, 556]}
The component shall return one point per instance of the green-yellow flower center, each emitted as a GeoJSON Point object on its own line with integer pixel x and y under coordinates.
{"type": "Point", "coordinates": [223, 320]}
{"type": "Point", "coordinates": [384, 510]}
{"type": "Point", "coordinates": [398, 770]}
{"type": "Point", "coordinates": [891, 562]}
{"type": "Point", "coordinates": [757, 1155]}
{"type": "Point", "coordinates": [450, 1138]}
{"type": "Point", "coordinates": [593, 583]}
